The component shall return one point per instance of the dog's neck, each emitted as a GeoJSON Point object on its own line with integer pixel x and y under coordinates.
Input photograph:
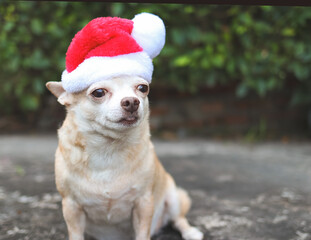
{"type": "Point", "coordinates": [91, 138]}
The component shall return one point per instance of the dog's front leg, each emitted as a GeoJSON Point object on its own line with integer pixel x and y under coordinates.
{"type": "Point", "coordinates": [75, 219]}
{"type": "Point", "coordinates": [142, 217]}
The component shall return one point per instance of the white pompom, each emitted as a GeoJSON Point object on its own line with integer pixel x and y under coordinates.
{"type": "Point", "coordinates": [149, 33]}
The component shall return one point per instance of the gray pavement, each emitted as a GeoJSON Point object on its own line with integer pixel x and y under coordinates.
{"type": "Point", "coordinates": [239, 191]}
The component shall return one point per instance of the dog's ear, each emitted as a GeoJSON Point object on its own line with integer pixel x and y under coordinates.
{"type": "Point", "coordinates": [58, 91]}
{"type": "Point", "coordinates": [56, 88]}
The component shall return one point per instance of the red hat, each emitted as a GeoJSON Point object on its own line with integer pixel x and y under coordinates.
{"type": "Point", "coordinates": [109, 47]}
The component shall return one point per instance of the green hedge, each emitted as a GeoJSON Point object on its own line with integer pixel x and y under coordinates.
{"type": "Point", "coordinates": [258, 47]}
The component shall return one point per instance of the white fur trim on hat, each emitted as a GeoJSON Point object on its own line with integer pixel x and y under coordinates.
{"type": "Point", "coordinates": [149, 33]}
{"type": "Point", "coordinates": [95, 69]}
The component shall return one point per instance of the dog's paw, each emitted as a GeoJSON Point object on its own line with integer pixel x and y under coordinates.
{"type": "Point", "coordinates": [192, 234]}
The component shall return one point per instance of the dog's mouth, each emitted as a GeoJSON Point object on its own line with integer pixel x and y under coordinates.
{"type": "Point", "coordinates": [130, 120]}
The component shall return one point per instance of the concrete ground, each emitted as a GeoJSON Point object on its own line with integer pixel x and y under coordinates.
{"type": "Point", "coordinates": [239, 191]}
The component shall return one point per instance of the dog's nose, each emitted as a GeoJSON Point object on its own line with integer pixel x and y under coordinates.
{"type": "Point", "coordinates": [130, 104]}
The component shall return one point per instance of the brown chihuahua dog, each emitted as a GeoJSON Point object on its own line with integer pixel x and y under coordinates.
{"type": "Point", "coordinates": [112, 184]}
{"type": "Point", "coordinates": [106, 169]}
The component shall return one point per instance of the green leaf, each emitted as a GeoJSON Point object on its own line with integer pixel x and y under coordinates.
{"type": "Point", "coordinates": [38, 86]}
{"type": "Point", "coordinates": [189, 9]}
{"type": "Point", "coordinates": [37, 60]}
{"type": "Point", "coordinates": [36, 26]}
{"type": "Point", "coordinates": [242, 90]}
{"type": "Point", "coordinates": [178, 36]}
{"type": "Point", "coordinates": [288, 32]}
{"type": "Point", "coordinates": [182, 61]}
{"type": "Point", "coordinates": [218, 60]}
{"type": "Point", "coordinates": [30, 102]}
{"type": "Point", "coordinates": [117, 9]}
{"type": "Point", "coordinates": [8, 26]}
{"type": "Point", "coordinates": [261, 86]}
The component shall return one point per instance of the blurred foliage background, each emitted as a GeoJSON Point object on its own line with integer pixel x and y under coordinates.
{"type": "Point", "coordinates": [258, 47]}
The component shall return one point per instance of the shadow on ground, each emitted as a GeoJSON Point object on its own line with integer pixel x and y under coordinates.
{"type": "Point", "coordinates": [239, 191]}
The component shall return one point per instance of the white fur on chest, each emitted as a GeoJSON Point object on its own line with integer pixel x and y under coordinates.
{"type": "Point", "coordinates": [107, 191]}
{"type": "Point", "coordinates": [110, 202]}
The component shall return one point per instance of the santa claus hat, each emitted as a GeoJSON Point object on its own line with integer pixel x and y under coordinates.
{"type": "Point", "coordinates": [109, 47]}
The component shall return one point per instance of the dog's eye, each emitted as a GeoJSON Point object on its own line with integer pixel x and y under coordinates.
{"type": "Point", "coordinates": [143, 88]}
{"type": "Point", "coordinates": [98, 93]}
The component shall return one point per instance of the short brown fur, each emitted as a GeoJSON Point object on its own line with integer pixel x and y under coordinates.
{"type": "Point", "coordinates": [109, 175]}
